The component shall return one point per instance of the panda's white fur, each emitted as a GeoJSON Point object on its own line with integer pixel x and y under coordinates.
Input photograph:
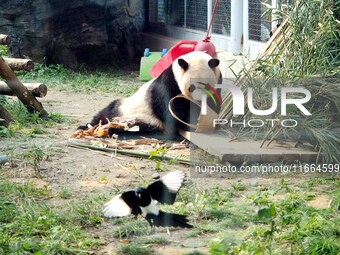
{"type": "Point", "coordinates": [134, 107]}
{"type": "Point", "coordinates": [198, 70]}
{"type": "Point", "coordinates": [149, 105]}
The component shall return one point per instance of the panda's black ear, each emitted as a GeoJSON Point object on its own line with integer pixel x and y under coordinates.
{"type": "Point", "coordinates": [182, 63]}
{"type": "Point", "coordinates": [213, 62]}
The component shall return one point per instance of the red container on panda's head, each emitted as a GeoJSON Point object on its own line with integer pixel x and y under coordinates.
{"type": "Point", "coordinates": [206, 46]}
{"type": "Point", "coordinates": [179, 49]}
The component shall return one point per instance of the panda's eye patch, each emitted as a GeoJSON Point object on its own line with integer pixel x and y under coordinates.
{"type": "Point", "coordinates": [213, 62]}
{"type": "Point", "coordinates": [192, 88]}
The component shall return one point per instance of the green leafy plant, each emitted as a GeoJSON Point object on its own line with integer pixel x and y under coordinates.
{"type": "Point", "coordinates": [159, 240]}
{"type": "Point", "coordinates": [157, 155]}
{"type": "Point", "coordinates": [3, 50]}
{"type": "Point", "coordinates": [35, 155]}
{"type": "Point", "coordinates": [133, 249]}
{"type": "Point", "coordinates": [5, 132]}
{"type": "Point", "coordinates": [28, 123]}
{"type": "Point", "coordinates": [28, 226]}
{"type": "Point", "coordinates": [131, 228]}
{"type": "Point", "coordinates": [65, 193]}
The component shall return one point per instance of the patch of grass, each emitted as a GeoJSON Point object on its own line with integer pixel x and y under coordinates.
{"type": "Point", "coordinates": [208, 226]}
{"type": "Point", "coordinates": [65, 193]}
{"type": "Point", "coordinates": [28, 124]}
{"type": "Point", "coordinates": [217, 213]}
{"type": "Point", "coordinates": [105, 79]}
{"type": "Point", "coordinates": [239, 186]}
{"type": "Point", "coordinates": [313, 182]}
{"type": "Point", "coordinates": [235, 221]}
{"type": "Point", "coordinates": [134, 227]}
{"type": "Point", "coordinates": [286, 225]}
{"type": "Point", "coordinates": [86, 211]}
{"type": "Point", "coordinates": [194, 252]}
{"type": "Point", "coordinates": [309, 196]}
{"type": "Point", "coordinates": [335, 200]}
{"type": "Point", "coordinates": [35, 155]}
{"type": "Point", "coordinates": [195, 232]}
{"type": "Point", "coordinates": [5, 132]}
{"type": "Point", "coordinates": [226, 242]}
{"type": "Point", "coordinates": [30, 227]}
{"type": "Point", "coordinates": [133, 249]}
{"type": "Point", "coordinates": [160, 240]}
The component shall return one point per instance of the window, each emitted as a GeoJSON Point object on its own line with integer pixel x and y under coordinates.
{"type": "Point", "coordinates": [259, 24]}
{"type": "Point", "coordinates": [191, 14]}
{"type": "Point", "coordinates": [221, 22]}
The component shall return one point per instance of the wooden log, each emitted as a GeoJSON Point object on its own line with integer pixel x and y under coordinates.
{"type": "Point", "coordinates": [5, 117]}
{"type": "Point", "coordinates": [19, 64]}
{"type": "Point", "coordinates": [5, 39]}
{"type": "Point", "coordinates": [37, 89]}
{"type": "Point", "coordinates": [26, 97]}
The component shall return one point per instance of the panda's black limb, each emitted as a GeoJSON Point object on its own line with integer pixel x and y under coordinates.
{"type": "Point", "coordinates": [162, 90]}
{"type": "Point", "coordinates": [110, 111]}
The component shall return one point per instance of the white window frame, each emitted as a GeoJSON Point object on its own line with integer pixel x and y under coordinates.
{"type": "Point", "coordinates": [239, 31]}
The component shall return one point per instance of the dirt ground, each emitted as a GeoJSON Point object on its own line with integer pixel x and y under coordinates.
{"type": "Point", "coordinates": [84, 171]}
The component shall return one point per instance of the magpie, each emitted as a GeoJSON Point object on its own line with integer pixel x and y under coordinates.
{"type": "Point", "coordinates": [144, 201]}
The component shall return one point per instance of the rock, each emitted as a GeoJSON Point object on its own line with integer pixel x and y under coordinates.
{"type": "Point", "coordinates": [3, 159]}
{"type": "Point", "coordinates": [68, 32]}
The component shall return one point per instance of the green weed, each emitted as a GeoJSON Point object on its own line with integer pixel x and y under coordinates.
{"type": "Point", "coordinates": [35, 155]}
{"type": "Point", "coordinates": [3, 50]}
{"type": "Point", "coordinates": [133, 249]}
{"type": "Point", "coordinates": [86, 211]}
{"type": "Point", "coordinates": [286, 225]}
{"type": "Point", "coordinates": [194, 233]}
{"type": "Point", "coordinates": [239, 186]}
{"type": "Point", "coordinates": [135, 227]}
{"type": "Point", "coordinates": [5, 132]}
{"type": "Point", "coordinates": [30, 227]}
{"type": "Point", "coordinates": [160, 240]}
{"type": "Point", "coordinates": [194, 252]}
{"type": "Point", "coordinates": [157, 155]}
{"type": "Point", "coordinates": [26, 123]}
{"type": "Point", "coordinates": [65, 193]}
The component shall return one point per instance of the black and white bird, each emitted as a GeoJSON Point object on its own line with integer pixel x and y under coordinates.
{"type": "Point", "coordinates": [144, 201]}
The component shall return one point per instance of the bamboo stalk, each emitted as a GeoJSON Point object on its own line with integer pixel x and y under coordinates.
{"type": "Point", "coordinates": [129, 153]}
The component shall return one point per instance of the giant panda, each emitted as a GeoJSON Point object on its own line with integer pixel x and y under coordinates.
{"type": "Point", "coordinates": [149, 105]}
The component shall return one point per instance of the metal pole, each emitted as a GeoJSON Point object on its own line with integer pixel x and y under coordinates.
{"type": "Point", "coordinates": [236, 26]}
{"type": "Point", "coordinates": [210, 6]}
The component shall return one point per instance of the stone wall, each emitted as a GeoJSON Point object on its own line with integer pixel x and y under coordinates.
{"type": "Point", "coordinates": [72, 31]}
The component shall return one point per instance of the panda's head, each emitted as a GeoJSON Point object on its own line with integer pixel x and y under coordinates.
{"type": "Point", "coordinates": [194, 69]}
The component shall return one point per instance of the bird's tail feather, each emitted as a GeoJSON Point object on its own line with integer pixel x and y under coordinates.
{"type": "Point", "coordinates": [164, 219]}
